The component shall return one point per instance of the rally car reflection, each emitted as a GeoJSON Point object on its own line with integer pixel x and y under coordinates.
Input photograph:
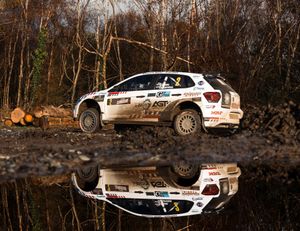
{"type": "Point", "coordinates": [179, 190]}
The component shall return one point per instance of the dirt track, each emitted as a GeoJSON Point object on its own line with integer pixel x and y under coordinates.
{"type": "Point", "coordinates": [27, 152]}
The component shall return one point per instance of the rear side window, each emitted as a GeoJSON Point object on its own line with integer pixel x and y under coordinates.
{"type": "Point", "coordinates": [171, 81]}
{"type": "Point", "coordinates": [218, 83]}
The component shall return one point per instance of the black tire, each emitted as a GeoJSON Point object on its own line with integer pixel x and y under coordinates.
{"type": "Point", "coordinates": [182, 174]}
{"type": "Point", "coordinates": [187, 122]}
{"type": "Point", "coordinates": [185, 169]}
{"type": "Point", "coordinates": [87, 178]}
{"type": "Point", "coordinates": [89, 120]}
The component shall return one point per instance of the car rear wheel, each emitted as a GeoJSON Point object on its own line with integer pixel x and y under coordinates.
{"type": "Point", "coordinates": [187, 122]}
{"type": "Point", "coordinates": [87, 177]}
{"type": "Point", "coordinates": [89, 120]}
{"type": "Point", "coordinates": [181, 173]}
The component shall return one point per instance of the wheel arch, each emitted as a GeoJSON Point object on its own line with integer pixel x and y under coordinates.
{"type": "Point", "coordinates": [175, 107]}
{"type": "Point", "coordinates": [183, 105]}
{"type": "Point", "coordinates": [88, 103]}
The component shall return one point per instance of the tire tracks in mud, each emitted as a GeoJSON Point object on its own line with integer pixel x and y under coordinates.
{"type": "Point", "coordinates": [33, 152]}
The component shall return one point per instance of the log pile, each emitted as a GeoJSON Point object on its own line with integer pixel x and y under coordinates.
{"type": "Point", "coordinates": [18, 117]}
{"type": "Point", "coordinates": [42, 116]}
{"type": "Point", "coordinates": [57, 116]}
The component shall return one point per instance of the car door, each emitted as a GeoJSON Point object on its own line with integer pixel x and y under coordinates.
{"type": "Point", "coordinates": [124, 101]}
{"type": "Point", "coordinates": [168, 88]}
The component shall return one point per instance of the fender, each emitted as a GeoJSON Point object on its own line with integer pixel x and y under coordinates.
{"type": "Point", "coordinates": [92, 102]}
{"type": "Point", "coordinates": [168, 114]}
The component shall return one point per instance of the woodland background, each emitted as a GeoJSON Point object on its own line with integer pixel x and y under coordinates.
{"type": "Point", "coordinates": [53, 51]}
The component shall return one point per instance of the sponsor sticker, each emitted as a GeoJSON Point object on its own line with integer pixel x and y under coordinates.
{"type": "Point", "coordinates": [116, 93]}
{"type": "Point", "coordinates": [191, 94]}
{"type": "Point", "coordinates": [162, 94]}
{"type": "Point", "coordinates": [144, 105]}
{"type": "Point", "coordinates": [197, 198]}
{"type": "Point", "coordinates": [161, 194]}
{"type": "Point", "coordinates": [151, 95]}
{"type": "Point", "coordinates": [207, 180]}
{"type": "Point", "coordinates": [216, 112]}
{"type": "Point", "coordinates": [190, 193]}
{"type": "Point", "coordinates": [142, 183]}
{"type": "Point", "coordinates": [119, 101]}
{"type": "Point", "coordinates": [158, 184]}
{"type": "Point", "coordinates": [116, 188]}
{"type": "Point", "coordinates": [214, 173]}
{"type": "Point", "coordinates": [199, 204]}
{"type": "Point", "coordinates": [99, 98]}
{"type": "Point", "coordinates": [149, 193]}
{"type": "Point", "coordinates": [198, 88]}
{"type": "Point", "coordinates": [177, 82]}
{"type": "Point", "coordinates": [112, 195]}
{"type": "Point", "coordinates": [160, 104]}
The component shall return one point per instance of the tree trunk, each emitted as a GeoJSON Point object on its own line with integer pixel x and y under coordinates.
{"type": "Point", "coordinates": [49, 72]}
{"type": "Point", "coordinates": [163, 34]}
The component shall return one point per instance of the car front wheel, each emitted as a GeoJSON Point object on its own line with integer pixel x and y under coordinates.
{"type": "Point", "coordinates": [187, 122]}
{"type": "Point", "coordinates": [89, 120]}
{"type": "Point", "coordinates": [87, 177]}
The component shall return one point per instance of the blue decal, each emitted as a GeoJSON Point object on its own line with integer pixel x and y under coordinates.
{"type": "Point", "coordinates": [161, 194]}
{"type": "Point", "coordinates": [163, 94]}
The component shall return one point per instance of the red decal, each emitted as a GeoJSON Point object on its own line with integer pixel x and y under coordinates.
{"type": "Point", "coordinates": [214, 173]}
{"type": "Point", "coordinates": [216, 112]}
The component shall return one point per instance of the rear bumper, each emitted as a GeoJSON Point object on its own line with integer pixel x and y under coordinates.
{"type": "Point", "coordinates": [227, 119]}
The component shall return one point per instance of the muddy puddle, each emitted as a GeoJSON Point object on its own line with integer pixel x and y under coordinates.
{"type": "Point", "coordinates": [52, 203]}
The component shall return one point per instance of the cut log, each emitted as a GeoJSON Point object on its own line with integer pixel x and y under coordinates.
{"type": "Point", "coordinates": [23, 122]}
{"type": "Point", "coordinates": [28, 118]}
{"type": "Point", "coordinates": [8, 123]}
{"type": "Point", "coordinates": [51, 111]}
{"type": "Point", "coordinates": [17, 114]}
{"type": "Point", "coordinates": [44, 123]}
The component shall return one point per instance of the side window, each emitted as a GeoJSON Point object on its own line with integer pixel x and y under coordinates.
{"type": "Point", "coordinates": [174, 81]}
{"type": "Point", "coordinates": [139, 83]}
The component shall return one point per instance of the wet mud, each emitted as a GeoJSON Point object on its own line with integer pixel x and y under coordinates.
{"type": "Point", "coordinates": [35, 167]}
{"type": "Point", "coordinates": [269, 136]}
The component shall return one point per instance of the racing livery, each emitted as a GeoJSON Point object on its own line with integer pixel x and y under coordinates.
{"type": "Point", "coordinates": [157, 192]}
{"type": "Point", "coordinates": [188, 101]}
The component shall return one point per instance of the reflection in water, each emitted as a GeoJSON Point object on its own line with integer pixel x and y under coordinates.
{"type": "Point", "coordinates": [51, 203]}
{"type": "Point", "coordinates": [182, 189]}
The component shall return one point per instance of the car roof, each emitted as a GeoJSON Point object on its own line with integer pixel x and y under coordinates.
{"type": "Point", "coordinates": [170, 72]}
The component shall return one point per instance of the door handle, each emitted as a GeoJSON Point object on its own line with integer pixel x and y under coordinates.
{"type": "Point", "coordinates": [140, 96]}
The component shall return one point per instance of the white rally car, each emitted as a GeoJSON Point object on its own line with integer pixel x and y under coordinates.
{"type": "Point", "coordinates": [180, 190]}
{"type": "Point", "coordinates": [188, 101]}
